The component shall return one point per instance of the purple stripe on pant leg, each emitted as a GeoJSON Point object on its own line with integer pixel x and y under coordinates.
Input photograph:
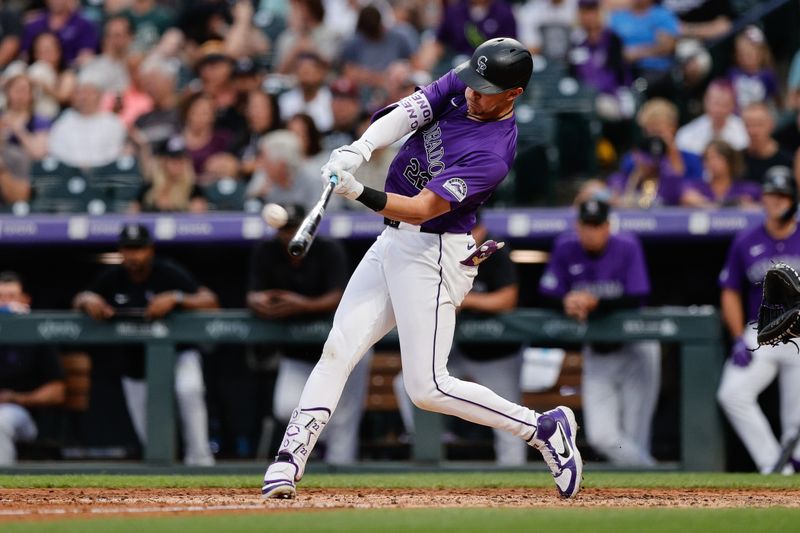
{"type": "Point", "coordinates": [433, 362]}
{"type": "Point", "coordinates": [317, 409]}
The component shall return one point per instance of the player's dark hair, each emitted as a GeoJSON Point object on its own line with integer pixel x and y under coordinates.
{"type": "Point", "coordinates": [8, 276]}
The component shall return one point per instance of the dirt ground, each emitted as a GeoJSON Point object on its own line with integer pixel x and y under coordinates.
{"type": "Point", "coordinates": [24, 504]}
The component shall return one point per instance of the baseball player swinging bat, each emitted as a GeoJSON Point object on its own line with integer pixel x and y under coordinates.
{"type": "Point", "coordinates": [301, 242]}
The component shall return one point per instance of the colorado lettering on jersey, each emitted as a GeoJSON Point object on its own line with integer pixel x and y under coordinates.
{"type": "Point", "coordinates": [434, 152]}
{"type": "Point", "coordinates": [418, 110]}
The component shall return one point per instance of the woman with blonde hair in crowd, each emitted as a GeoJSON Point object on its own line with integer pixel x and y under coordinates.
{"type": "Point", "coordinates": [172, 186]}
{"type": "Point", "coordinates": [722, 186]}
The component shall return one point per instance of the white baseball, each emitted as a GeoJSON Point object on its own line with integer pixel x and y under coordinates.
{"type": "Point", "coordinates": [275, 215]}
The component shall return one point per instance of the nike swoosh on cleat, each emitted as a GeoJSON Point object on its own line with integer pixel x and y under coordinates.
{"type": "Point", "coordinates": [470, 246]}
{"type": "Point", "coordinates": [567, 450]}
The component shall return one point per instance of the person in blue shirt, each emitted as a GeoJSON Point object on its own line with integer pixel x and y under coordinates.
{"type": "Point", "coordinates": [648, 34]}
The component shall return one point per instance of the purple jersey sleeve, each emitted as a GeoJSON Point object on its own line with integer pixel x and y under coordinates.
{"type": "Point", "coordinates": [476, 174]}
{"type": "Point", "coordinates": [733, 275]}
{"type": "Point", "coordinates": [442, 90]}
{"type": "Point", "coordinates": [637, 282]}
{"type": "Point", "coordinates": [555, 280]}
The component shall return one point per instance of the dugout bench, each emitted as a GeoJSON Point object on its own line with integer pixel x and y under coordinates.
{"type": "Point", "coordinates": [696, 329]}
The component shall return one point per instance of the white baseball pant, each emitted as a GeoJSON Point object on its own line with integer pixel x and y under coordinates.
{"type": "Point", "coordinates": [620, 392]}
{"type": "Point", "coordinates": [190, 395]}
{"type": "Point", "coordinates": [499, 375]}
{"type": "Point", "coordinates": [342, 430]}
{"type": "Point", "coordinates": [738, 395]}
{"type": "Point", "coordinates": [413, 280]}
{"type": "Point", "coordinates": [16, 425]}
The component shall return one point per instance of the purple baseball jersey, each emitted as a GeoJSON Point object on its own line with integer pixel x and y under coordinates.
{"type": "Point", "coordinates": [619, 271]}
{"type": "Point", "coordinates": [460, 159]}
{"type": "Point", "coordinates": [752, 253]}
{"type": "Point", "coordinates": [76, 35]}
{"type": "Point", "coordinates": [462, 34]}
{"type": "Point", "coordinates": [736, 193]}
{"type": "Point", "coordinates": [750, 88]}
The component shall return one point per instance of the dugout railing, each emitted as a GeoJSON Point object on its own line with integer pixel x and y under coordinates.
{"type": "Point", "coordinates": [696, 330]}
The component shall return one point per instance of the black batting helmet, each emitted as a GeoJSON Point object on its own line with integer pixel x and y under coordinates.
{"type": "Point", "coordinates": [496, 66]}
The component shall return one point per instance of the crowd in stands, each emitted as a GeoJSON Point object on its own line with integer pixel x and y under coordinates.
{"type": "Point", "coordinates": [233, 83]}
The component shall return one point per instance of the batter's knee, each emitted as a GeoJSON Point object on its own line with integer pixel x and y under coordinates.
{"type": "Point", "coordinates": [424, 394]}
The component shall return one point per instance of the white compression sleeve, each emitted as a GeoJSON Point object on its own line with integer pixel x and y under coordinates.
{"type": "Point", "coordinates": [410, 113]}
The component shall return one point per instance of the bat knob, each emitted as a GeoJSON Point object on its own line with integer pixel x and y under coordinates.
{"type": "Point", "coordinates": [296, 248]}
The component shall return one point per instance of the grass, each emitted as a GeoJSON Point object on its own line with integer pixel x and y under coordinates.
{"type": "Point", "coordinates": [457, 480]}
{"type": "Point", "coordinates": [445, 520]}
{"type": "Point", "coordinates": [464, 520]}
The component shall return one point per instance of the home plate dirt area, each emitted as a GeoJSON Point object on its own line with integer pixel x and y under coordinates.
{"type": "Point", "coordinates": [16, 504]}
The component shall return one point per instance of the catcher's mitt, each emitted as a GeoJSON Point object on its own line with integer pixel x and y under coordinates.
{"type": "Point", "coordinates": [779, 315]}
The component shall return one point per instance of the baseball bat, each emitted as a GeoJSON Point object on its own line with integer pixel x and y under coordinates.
{"type": "Point", "coordinates": [301, 242]}
{"type": "Point", "coordinates": [786, 453]}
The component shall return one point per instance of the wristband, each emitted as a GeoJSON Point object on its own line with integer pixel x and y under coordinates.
{"type": "Point", "coordinates": [374, 199]}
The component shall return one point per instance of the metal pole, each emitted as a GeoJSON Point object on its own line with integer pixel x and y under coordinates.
{"type": "Point", "coordinates": [160, 364]}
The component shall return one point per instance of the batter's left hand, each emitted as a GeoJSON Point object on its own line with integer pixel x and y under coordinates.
{"type": "Point", "coordinates": [348, 186]}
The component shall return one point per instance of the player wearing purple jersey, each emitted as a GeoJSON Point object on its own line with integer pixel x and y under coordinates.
{"type": "Point", "coordinates": [592, 271]}
{"type": "Point", "coordinates": [420, 268]}
{"type": "Point", "coordinates": [750, 368]}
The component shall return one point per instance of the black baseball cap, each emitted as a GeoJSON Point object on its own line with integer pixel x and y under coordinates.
{"type": "Point", "coordinates": [172, 147]}
{"type": "Point", "coordinates": [594, 211]}
{"type": "Point", "coordinates": [496, 66]}
{"type": "Point", "coordinates": [134, 236]}
{"type": "Point", "coordinates": [779, 180]}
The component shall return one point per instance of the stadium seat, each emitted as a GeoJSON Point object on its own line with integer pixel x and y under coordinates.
{"type": "Point", "coordinates": [119, 182]}
{"type": "Point", "coordinates": [226, 194]}
{"type": "Point", "coordinates": [59, 188]}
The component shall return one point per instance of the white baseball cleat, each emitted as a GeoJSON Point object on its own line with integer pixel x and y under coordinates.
{"type": "Point", "coordinates": [279, 479]}
{"type": "Point", "coordinates": [555, 439]}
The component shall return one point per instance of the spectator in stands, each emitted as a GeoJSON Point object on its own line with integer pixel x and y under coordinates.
{"type": "Point", "coordinates": [407, 21]}
{"type": "Point", "coordinates": [159, 80]}
{"type": "Point", "coordinates": [305, 35]}
{"type": "Point", "coordinates": [171, 184]}
{"type": "Point", "coordinates": [134, 101]}
{"type": "Point", "coordinates": [653, 173]}
{"type": "Point", "coordinates": [149, 287]}
{"type": "Point", "coordinates": [752, 76]}
{"type": "Point", "coordinates": [310, 141]}
{"type": "Point", "coordinates": [401, 81]}
{"type": "Point", "coordinates": [110, 67]}
{"type": "Point", "coordinates": [54, 83]}
{"type": "Point", "coordinates": [702, 19]}
{"type": "Point", "coordinates": [311, 96]}
{"type": "Point", "coordinates": [371, 51]}
{"type": "Point", "coordinates": [10, 32]}
{"type": "Point", "coordinates": [282, 287]}
{"type": "Point", "coordinates": [215, 71]}
{"type": "Point", "coordinates": [763, 152]}
{"type": "Point", "coordinates": [793, 84]}
{"type": "Point", "coordinates": [77, 35]}
{"type": "Point", "coordinates": [718, 122]}
{"type": "Point", "coordinates": [14, 186]}
{"type": "Point", "coordinates": [243, 38]}
{"type": "Point", "coordinates": [594, 272]}
{"type": "Point", "coordinates": [149, 21]}
{"type": "Point", "coordinates": [648, 32]}
{"type": "Point", "coordinates": [201, 136]}
{"type": "Point", "coordinates": [495, 365]}
{"type": "Point", "coordinates": [20, 127]}
{"type": "Point", "coordinates": [596, 60]}
{"type": "Point", "coordinates": [84, 136]}
{"type": "Point", "coordinates": [31, 377]}
{"type": "Point", "coordinates": [263, 116]}
{"type": "Point", "coordinates": [248, 76]}
{"type": "Point", "coordinates": [279, 178]}
{"type": "Point", "coordinates": [723, 185]}
{"type": "Point", "coordinates": [463, 26]}
{"type": "Point", "coordinates": [544, 26]}
{"type": "Point", "coordinates": [346, 110]}
{"type": "Point", "coordinates": [220, 166]}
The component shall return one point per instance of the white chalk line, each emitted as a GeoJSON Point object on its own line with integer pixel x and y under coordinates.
{"type": "Point", "coordinates": [134, 510]}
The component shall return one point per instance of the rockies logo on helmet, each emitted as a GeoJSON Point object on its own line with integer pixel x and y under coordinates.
{"type": "Point", "coordinates": [481, 65]}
